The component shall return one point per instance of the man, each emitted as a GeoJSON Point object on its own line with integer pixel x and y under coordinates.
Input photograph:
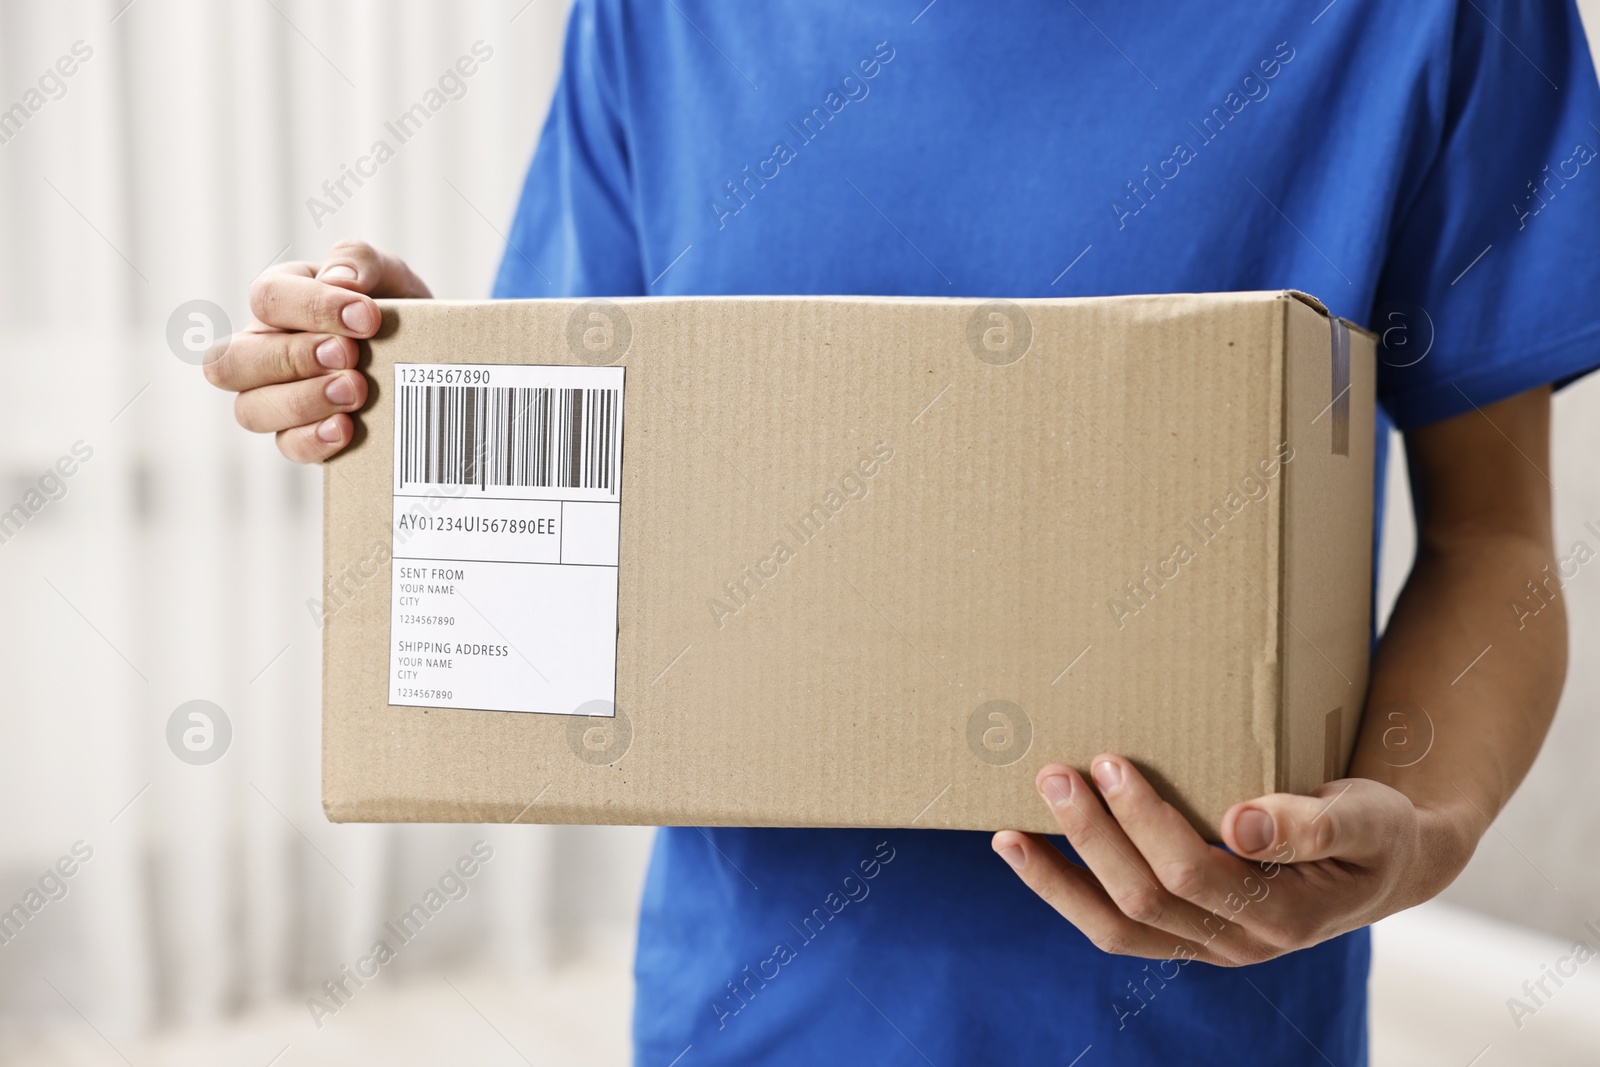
{"type": "Point", "coordinates": [1425, 168]}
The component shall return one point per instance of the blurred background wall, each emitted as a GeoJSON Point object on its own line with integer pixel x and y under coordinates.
{"type": "Point", "coordinates": [178, 560]}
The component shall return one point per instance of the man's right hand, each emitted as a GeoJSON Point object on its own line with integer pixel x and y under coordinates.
{"type": "Point", "coordinates": [294, 368]}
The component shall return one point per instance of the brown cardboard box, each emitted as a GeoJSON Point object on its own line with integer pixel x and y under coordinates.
{"type": "Point", "coordinates": [880, 559]}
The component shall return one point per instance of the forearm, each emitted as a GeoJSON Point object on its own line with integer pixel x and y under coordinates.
{"type": "Point", "coordinates": [1466, 680]}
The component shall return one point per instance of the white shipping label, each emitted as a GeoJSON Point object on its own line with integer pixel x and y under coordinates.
{"type": "Point", "coordinates": [507, 508]}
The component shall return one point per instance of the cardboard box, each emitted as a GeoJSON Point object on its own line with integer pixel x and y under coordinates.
{"type": "Point", "coordinates": [879, 559]}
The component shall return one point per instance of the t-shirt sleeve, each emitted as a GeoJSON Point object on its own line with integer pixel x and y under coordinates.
{"type": "Point", "coordinates": [1492, 279]}
{"type": "Point", "coordinates": [574, 233]}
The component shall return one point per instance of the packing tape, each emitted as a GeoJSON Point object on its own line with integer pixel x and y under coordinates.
{"type": "Point", "coordinates": [1332, 748]}
{"type": "Point", "coordinates": [1341, 386]}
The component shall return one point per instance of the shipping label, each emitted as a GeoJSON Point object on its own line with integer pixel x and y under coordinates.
{"type": "Point", "coordinates": [507, 512]}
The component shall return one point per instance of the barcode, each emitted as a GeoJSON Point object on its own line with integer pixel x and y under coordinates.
{"type": "Point", "coordinates": [545, 438]}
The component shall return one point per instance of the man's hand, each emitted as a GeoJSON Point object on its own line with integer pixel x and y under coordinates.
{"type": "Point", "coordinates": [1304, 868]}
{"type": "Point", "coordinates": [294, 368]}
{"type": "Point", "coordinates": [1474, 654]}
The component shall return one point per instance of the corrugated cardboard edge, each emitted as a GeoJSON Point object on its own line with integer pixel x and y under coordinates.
{"type": "Point", "coordinates": [1318, 306]}
{"type": "Point", "coordinates": [1335, 726]}
{"type": "Point", "coordinates": [1309, 300]}
{"type": "Point", "coordinates": [1270, 718]}
{"type": "Point", "coordinates": [332, 810]}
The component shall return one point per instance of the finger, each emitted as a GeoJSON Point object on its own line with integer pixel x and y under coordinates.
{"type": "Point", "coordinates": [252, 359]}
{"type": "Point", "coordinates": [1107, 852]}
{"type": "Point", "coordinates": [279, 407]}
{"type": "Point", "coordinates": [1355, 820]}
{"type": "Point", "coordinates": [1179, 857]}
{"type": "Point", "coordinates": [297, 267]}
{"type": "Point", "coordinates": [315, 443]}
{"type": "Point", "coordinates": [1083, 902]}
{"type": "Point", "coordinates": [288, 301]}
{"type": "Point", "coordinates": [358, 266]}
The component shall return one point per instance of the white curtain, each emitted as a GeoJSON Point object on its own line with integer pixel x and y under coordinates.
{"type": "Point", "coordinates": [173, 164]}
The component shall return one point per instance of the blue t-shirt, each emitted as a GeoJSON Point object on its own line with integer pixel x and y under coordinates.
{"type": "Point", "coordinates": [1427, 168]}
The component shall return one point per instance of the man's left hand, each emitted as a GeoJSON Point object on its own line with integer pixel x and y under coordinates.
{"type": "Point", "coordinates": [1302, 868]}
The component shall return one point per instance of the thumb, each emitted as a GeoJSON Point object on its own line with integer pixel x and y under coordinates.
{"type": "Point", "coordinates": [359, 266]}
{"type": "Point", "coordinates": [1353, 819]}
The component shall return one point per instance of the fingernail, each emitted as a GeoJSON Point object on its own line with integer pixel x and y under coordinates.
{"type": "Point", "coordinates": [341, 391]}
{"type": "Point", "coordinates": [1057, 790]}
{"type": "Point", "coordinates": [330, 354]}
{"type": "Point", "coordinates": [329, 430]}
{"type": "Point", "coordinates": [1012, 855]}
{"type": "Point", "coordinates": [1254, 829]}
{"type": "Point", "coordinates": [337, 273]}
{"type": "Point", "coordinates": [1108, 776]}
{"type": "Point", "coordinates": [358, 317]}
